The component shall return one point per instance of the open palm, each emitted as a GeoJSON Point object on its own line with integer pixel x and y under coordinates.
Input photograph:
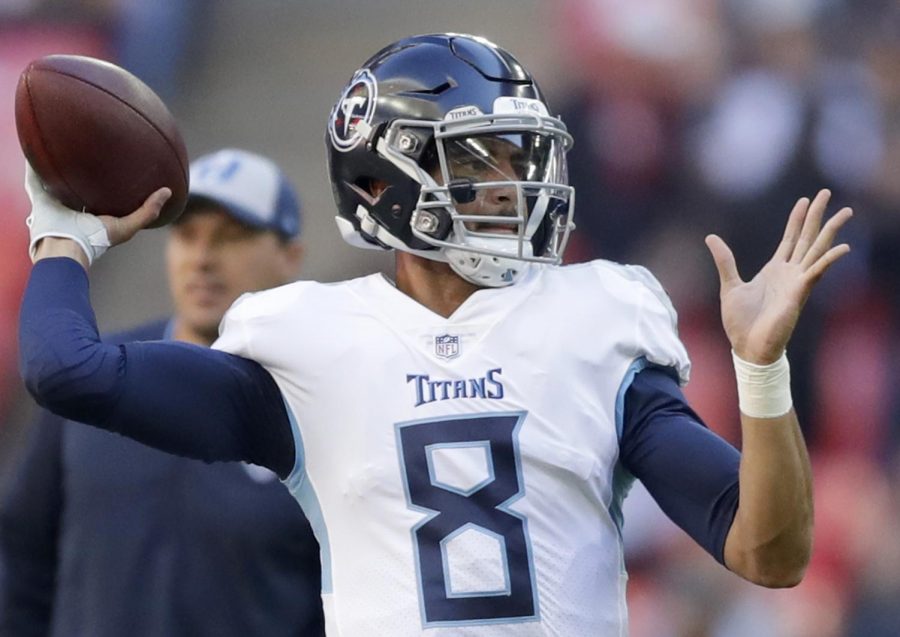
{"type": "Point", "coordinates": [759, 315]}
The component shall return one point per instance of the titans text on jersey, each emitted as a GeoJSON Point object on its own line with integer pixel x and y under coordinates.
{"type": "Point", "coordinates": [428, 390]}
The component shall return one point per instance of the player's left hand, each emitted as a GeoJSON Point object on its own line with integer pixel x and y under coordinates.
{"type": "Point", "coordinates": [759, 315]}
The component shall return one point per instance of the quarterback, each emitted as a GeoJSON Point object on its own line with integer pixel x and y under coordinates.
{"type": "Point", "coordinates": [460, 437]}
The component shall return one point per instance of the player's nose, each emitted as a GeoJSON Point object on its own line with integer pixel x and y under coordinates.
{"type": "Point", "coordinates": [204, 253]}
{"type": "Point", "coordinates": [501, 199]}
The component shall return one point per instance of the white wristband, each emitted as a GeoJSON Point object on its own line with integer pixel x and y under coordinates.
{"type": "Point", "coordinates": [49, 218]}
{"type": "Point", "coordinates": [764, 391]}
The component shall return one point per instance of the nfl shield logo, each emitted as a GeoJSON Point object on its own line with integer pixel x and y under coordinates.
{"type": "Point", "coordinates": [446, 346]}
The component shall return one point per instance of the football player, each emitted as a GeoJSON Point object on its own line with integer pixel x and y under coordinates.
{"type": "Point", "coordinates": [462, 436]}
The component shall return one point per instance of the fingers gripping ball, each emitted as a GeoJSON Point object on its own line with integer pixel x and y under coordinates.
{"type": "Point", "coordinates": [100, 139]}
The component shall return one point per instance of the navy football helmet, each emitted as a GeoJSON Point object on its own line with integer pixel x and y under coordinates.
{"type": "Point", "coordinates": [442, 145]}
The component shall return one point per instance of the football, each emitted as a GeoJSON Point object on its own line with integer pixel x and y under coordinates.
{"type": "Point", "coordinates": [99, 138]}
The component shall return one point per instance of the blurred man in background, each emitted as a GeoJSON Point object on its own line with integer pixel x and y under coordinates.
{"type": "Point", "coordinates": [102, 536]}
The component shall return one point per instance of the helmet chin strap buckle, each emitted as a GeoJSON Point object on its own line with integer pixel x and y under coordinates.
{"type": "Point", "coordinates": [426, 221]}
{"type": "Point", "coordinates": [432, 222]}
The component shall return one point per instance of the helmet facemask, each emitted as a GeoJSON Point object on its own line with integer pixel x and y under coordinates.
{"type": "Point", "coordinates": [494, 196]}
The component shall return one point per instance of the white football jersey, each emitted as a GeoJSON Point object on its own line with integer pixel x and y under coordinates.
{"type": "Point", "coordinates": [461, 473]}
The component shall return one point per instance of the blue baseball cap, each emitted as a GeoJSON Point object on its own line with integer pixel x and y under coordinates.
{"type": "Point", "coordinates": [250, 187]}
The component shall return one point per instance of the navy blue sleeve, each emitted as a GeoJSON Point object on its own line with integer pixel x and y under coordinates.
{"type": "Point", "coordinates": [180, 398]}
{"type": "Point", "coordinates": [691, 472]}
{"type": "Point", "coordinates": [29, 527]}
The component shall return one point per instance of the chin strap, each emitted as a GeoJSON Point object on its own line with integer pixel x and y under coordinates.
{"type": "Point", "coordinates": [369, 227]}
{"type": "Point", "coordinates": [488, 270]}
{"type": "Point", "coordinates": [484, 270]}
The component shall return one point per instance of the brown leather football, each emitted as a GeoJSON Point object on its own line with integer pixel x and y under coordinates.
{"type": "Point", "coordinates": [100, 139]}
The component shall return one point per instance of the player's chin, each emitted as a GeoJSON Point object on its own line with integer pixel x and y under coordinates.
{"type": "Point", "coordinates": [202, 318]}
{"type": "Point", "coordinates": [206, 325]}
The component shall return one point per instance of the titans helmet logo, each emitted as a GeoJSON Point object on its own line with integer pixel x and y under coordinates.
{"type": "Point", "coordinates": [356, 105]}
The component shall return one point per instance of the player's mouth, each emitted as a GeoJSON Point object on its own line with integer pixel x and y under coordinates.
{"type": "Point", "coordinates": [205, 292]}
{"type": "Point", "coordinates": [495, 228]}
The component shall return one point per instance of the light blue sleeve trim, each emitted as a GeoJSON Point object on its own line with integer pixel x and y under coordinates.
{"type": "Point", "coordinates": [622, 479]}
{"type": "Point", "coordinates": [638, 365]}
{"type": "Point", "coordinates": [305, 495]}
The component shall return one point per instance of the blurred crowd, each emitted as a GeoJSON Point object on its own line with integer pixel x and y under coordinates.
{"type": "Point", "coordinates": [694, 116]}
{"type": "Point", "coordinates": [699, 116]}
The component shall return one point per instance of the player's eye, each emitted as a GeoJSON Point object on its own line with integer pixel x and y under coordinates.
{"type": "Point", "coordinates": [467, 165]}
{"type": "Point", "coordinates": [236, 235]}
{"type": "Point", "coordinates": [522, 168]}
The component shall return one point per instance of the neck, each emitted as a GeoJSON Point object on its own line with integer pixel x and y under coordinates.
{"type": "Point", "coordinates": [432, 283]}
{"type": "Point", "coordinates": [181, 332]}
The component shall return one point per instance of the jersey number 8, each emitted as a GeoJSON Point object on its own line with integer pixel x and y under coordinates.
{"type": "Point", "coordinates": [473, 554]}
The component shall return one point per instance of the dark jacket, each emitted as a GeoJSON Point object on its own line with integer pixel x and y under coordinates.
{"type": "Point", "coordinates": [101, 536]}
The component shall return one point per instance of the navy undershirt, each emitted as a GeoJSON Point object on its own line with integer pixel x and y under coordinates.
{"type": "Point", "coordinates": [215, 406]}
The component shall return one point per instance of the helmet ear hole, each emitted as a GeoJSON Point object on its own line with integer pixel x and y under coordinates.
{"type": "Point", "coordinates": [365, 185]}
